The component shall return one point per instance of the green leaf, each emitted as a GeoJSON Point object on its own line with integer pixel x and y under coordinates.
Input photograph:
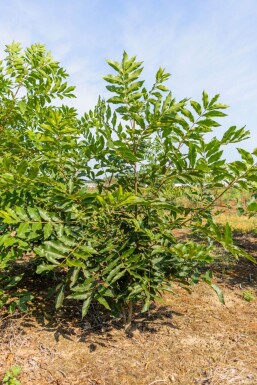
{"type": "Point", "coordinates": [252, 206]}
{"type": "Point", "coordinates": [162, 88]}
{"type": "Point", "coordinates": [214, 113]}
{"type": "Point", "coordinates": [14, 281]}
{"type": "Point", "coordinates": [228, 234]}
{"type": "Point", "coordinates": [146, 305]}
{"type": "Point", "coordinates": [22, 167]}
{"type": "Point", "coordinates": [67, 241]}
{"type": "Point", "coordinates": [20, 211]}
{"type": "Point", "coordinates": [52, 258]}
{"type": "Point", "coordinates": [219, 293]}
{"type": "Point", "coordinates": [246, 156]}
{"type": "Point", "coordinates": [101, 200]}
{"type": "Point", "coordinates": [44, 214]}
{"type": "Point", "coordinates": [205, 99]}
{"type": "Point", "coordinates": [36, 227]}
{"type": "Point", "coordinates": [114, 64]}
{"type": "Point", "coordinates": [23, 229]}
{"type": "Point", "coordinates": [113, 273]}
{"type": "Point", "coordinates": [188, 114]}
{"type": "Point", "coordinates": [215, 157]}
{"type": "Point", "coordinates": [131, 200]}
{"type": "Point", "coordinates": [33, 213]}
{"type": "Point", "coordinates": [60, 297]}
{"type": "Point", "coordinates": [219, 106]}
{"type": "Point", "coordinates": [103, 302]}
{"type": "Point", "coordinates": [192, 154]}
{"type": "Point", "coordinates": [86, 305]}
{"type": "Point", "coordinates": [79, 296]}
{"type": "Point", "coordinates": [134, 75]}
{"type": "Point", "coordinates": [22, 106]}
{"type": "Point", "coordinates": [118, 276]}
{"type": "Point", "coordinates": [112, 79]}
{"type": "Point", "coordinates": [41, 268]}
{"type": "Point", "coordinates": [208, 123]}
{"type": "Point", "coordinates": [57, 246]}
{"type": "Point", "coordinates": [74, 276]}
{"type": "Point", "coordinates": [214, 99]}
{"type": "Point", "coordinates": [246, 255]}
{"type": "Point", "coordinates": [88, 249]}
{"type": "Point", "coordinates": [196, 106]}
{"type": "Point", "coordinates": [48, 229]}
{"type": "Point", "coordinates": [135, 86]}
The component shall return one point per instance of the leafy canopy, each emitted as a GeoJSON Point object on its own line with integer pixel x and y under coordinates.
{"type": "Point", "coordinates": [117, 243]}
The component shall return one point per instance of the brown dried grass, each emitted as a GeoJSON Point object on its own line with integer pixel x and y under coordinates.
{"type": "Point", "coordinates": [240, 223]}
{"type": "Point", "coordinates": [202, 343]}
{"type": "Point", "coordinates": [187, 340]}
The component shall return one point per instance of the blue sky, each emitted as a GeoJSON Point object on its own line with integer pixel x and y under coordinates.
{"type": "Point", "coordinates": [205, 44]}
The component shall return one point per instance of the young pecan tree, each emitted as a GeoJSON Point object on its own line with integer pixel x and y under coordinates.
{"type": "Point", "coordinates": [117, 243]}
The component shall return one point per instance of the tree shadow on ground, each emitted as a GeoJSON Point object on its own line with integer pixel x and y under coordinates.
{"type": "Point", "coordinates": [67, 321]}
{"type": "Point", "coordinates": [68, 324]}
{"type": "Point", "coordinates": [240, 273]}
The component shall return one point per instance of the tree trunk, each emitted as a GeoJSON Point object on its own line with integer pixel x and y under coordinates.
{"type": "Point", "coordinates": [128, 316]}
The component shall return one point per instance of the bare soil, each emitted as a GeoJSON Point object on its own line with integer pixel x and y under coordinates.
{"type": "Point", "coordinates": [188, 339]}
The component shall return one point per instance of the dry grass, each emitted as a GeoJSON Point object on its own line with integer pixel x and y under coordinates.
{"type": "Point", "coordinates": [240, 223]}
{"type": "Point", "coordinates": [190, 340]}
{"type": "Point", "coordinates": [187, 340]}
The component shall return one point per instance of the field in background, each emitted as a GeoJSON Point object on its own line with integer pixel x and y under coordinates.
{"type": "Point", "coordinates": [227, 208]}
{"type": "Point", "coordinates": [229, 205]}
{"type": "Point", "coordinates": [239, 223]}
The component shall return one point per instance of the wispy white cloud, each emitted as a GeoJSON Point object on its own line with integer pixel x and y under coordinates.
{"type": "Point", "coordinates": [212, 46]}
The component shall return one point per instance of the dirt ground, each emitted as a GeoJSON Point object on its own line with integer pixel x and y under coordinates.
{"type": "Point", "coordinates": [188, 339]}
